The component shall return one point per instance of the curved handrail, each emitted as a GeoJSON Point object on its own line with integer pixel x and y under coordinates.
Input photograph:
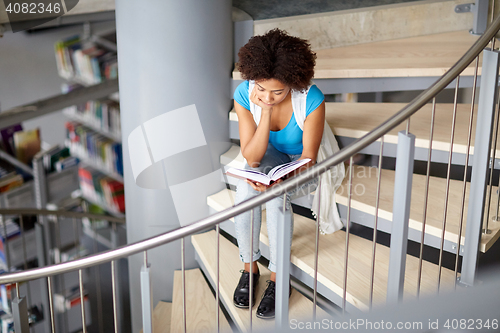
{"type": "Point", "coordinates": [274, 191]}
{"type": "Point", "coordinates": [63, 213]}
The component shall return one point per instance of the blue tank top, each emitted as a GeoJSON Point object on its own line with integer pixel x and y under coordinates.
{"type": "Point", "coordinates": [289, 139]}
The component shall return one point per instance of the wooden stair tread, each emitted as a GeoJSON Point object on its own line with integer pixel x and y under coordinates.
{"type": "Point", "coordinates": [299, 307]}
{"type": "Point", "coordinates": [354, 120]}
{"type": "Point", "coordinates": [422, 56]}
{"type": "Point", "coordinates": [200, 305]}
{"type": "Point", "coordinates": [161, 317]}
{"type": "Point", "coordinates": [364, 198]}
{"type": "Point", "coordinates": [331, 262]}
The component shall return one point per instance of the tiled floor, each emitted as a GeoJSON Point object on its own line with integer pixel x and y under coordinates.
{"type": "Point", "coordinates": [267, 9]}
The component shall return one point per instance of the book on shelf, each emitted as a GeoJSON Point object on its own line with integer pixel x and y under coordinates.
{"type": "Point", "coordinates": [7, 134]}
{"type": "Point", "coordinates": [66, 163]}
{"type": "Point", "coordinates": [3, 261]}
{"type": "Point", "coordinates": [92, 146]}
{"type": "Point", "coordinates": [54, 155]}
{"type": "Point", "coordinates": [27, 144]}
{"type": "Point", "coordinates": [68, 299]}
{"type": "Point", "coordinates": [114, 193]}
{"type": "Point", "coordinates": [273, 175]}
{"type": "Point", "coordinates": [102, 189]}
{"type": "Point", "coordinates": [10, 181]}
{"type": "Point", "coordinates": [6, 323]}
{"type": "Point", "coordinates": [6, 168]}
{"type": "Point", "coordinates": [12, 228]}
{"type": "Point", "coordinates": [103, 115]}
{"type": "Point", "coordinates": [85, 61]}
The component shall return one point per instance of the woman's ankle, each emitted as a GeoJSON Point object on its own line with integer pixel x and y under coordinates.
{"type": "Point", "coordinates": [255, 268]}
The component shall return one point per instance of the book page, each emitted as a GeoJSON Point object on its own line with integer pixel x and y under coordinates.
{"type": "Point", "coordinates": [249, 174]}
{"type": "Point", "coordinates": [284, 169]}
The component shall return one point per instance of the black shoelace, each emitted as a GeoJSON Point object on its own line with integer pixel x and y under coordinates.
{"type": "Point", "coordinates": [244, 280]}
{"type": "Point", "coordinates": [270, 290]}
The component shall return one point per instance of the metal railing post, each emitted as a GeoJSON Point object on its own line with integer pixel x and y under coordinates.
{"type": "Point", "coordinates": [480, 10]}
{"type": "Point", "coordinates": [401, 215]}
{"type": "Point", "coordinates": [481, 159]}
{"type": "Point", "coordinates": [283, 271]}
{"type": "Point", "coordinates": [41, 203]}
{"type": "Point", "coordinates": [147, 300]}
{"type": "Point", "coordinates": [20, 314]}
{"type": "Point", "coordinates": [43, 228]}
{"type": "Point", "coordinates": [117, 308]}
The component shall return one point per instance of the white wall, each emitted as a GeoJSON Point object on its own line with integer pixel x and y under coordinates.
{"type": "Point", "coordinates": [28, 73]}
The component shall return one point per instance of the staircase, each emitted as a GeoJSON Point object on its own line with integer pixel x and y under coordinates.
{"type": "Point", "coordinates": [413, 62]}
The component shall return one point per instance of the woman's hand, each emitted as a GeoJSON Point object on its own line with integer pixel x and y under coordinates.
{"type": "Point", "coordinates": [256, 100]}
{"type": "Point", "coordinates": [262, 187]}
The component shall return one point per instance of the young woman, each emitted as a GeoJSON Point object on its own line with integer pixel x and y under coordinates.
{"type": "Point", "coordinates": [277, 69]}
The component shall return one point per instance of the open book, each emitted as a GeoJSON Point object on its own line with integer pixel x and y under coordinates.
{"type": "Point", "coordinates": [273, 175]}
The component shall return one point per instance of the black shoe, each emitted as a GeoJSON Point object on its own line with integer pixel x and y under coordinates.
{"type": "Point", "coordinates": [266, 309]}
{"type": "Point", "coordinates": [242, 291]}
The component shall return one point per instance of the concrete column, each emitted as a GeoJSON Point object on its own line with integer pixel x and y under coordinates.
{"type": "Point", "coordinates": [175, 62]}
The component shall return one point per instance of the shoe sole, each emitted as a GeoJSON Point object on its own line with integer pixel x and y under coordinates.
{"type": "Point", "coordinates": [242, 306]}
{"type": "Point", "coordinates": [262, 317]}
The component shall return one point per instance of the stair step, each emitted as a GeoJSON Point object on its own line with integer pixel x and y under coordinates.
{"type": "Point", "coordinates": [354, 120]}
{"type": "Point", "coordinates": [423, 56]}
{"type": "Point", "coordinates": [331, 261]}
{"type": "Point", "coordinates": [200, 305]}
{"type": "Point", "coordinates": [364, 198]}
{"type": "Point", "coordinates": [230, 265]}
{"type": "Point", "coordinates": [161, 317]}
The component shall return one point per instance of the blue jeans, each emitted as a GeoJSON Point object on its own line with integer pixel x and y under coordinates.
{"type": "Point", "coordinates": [274, 209]}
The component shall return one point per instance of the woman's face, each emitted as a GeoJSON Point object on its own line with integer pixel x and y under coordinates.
{"type": "Point", "coordinates": [271, 92]}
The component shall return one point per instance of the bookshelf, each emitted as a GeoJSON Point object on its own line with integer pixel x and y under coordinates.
{"type": "Point", "coordinates": [23, 241]}
{"type": "Point", "coordinates": [94, 129]}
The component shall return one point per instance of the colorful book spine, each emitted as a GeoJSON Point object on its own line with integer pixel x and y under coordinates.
{"type": "Point", "coordinates": [84, 61]}
{"type": "Point", "coordinates": [103, 190]}
{"type": "Point", "coordinates": [89, 145]}
{"type": "Point", "coordinates": [104, 115]}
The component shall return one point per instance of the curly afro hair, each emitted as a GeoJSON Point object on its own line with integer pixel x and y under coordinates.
{"type": "Point", "coordinates": [277, 55]}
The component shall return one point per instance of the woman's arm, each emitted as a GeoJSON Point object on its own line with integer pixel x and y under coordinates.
{"type": "Point", "coordinates": [253, 138]}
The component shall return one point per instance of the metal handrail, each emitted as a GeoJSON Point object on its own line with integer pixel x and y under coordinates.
{"type": "Point", "coordinates": [274, 191]}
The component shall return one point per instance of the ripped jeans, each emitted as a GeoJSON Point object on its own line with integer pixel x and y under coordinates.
{"type": "Point", "coordinates": [274, 209]}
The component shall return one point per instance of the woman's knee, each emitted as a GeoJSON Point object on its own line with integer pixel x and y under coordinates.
{"type": "Point", "coordinates": [244, 191]}
{"type": "Point", "coordinates": [277, 203]}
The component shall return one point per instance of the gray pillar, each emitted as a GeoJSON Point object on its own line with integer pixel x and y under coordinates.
{"type": "Point", "coordinates": [172, 55]}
